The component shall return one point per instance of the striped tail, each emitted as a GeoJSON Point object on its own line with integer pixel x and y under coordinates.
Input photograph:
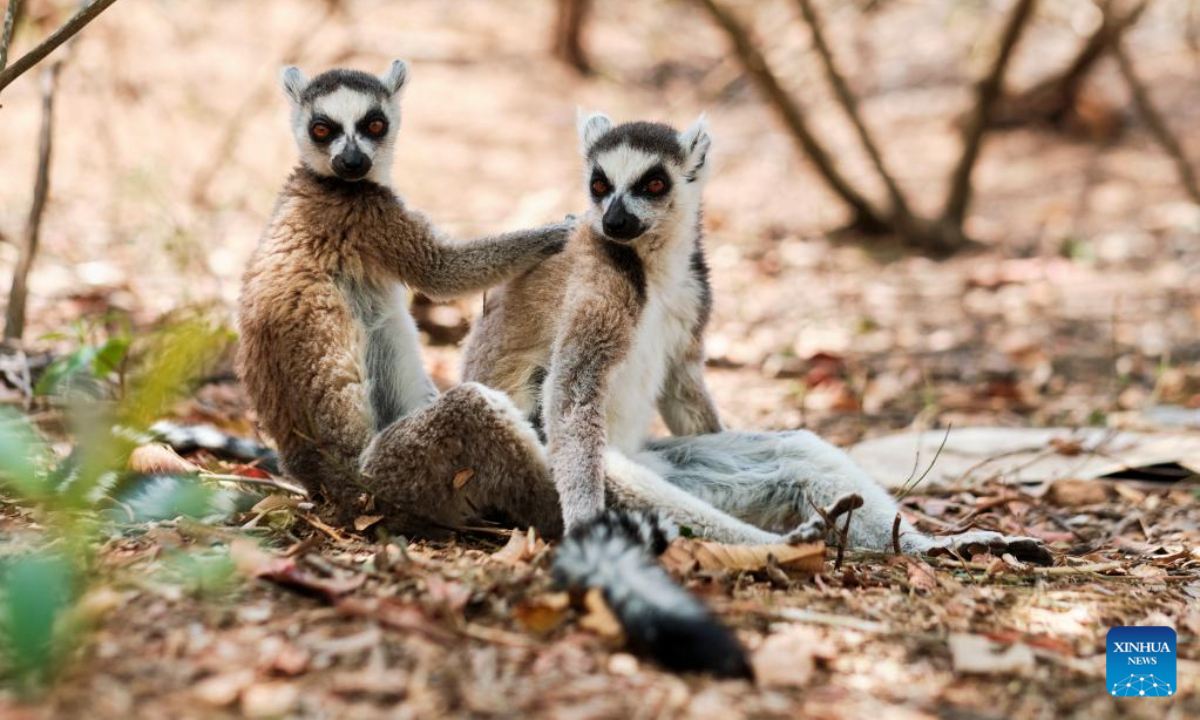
{"type": "Point", "coordinates": [190, 438]}
{"type": "Point", "coordinates": [616, 552]}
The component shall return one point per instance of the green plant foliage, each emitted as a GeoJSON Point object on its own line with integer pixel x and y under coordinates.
{"type": "Point", "coordinates": [38, 591]}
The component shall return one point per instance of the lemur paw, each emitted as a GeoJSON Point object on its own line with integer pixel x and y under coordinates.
{"type": "Point", "coordinates": [1025, 549]}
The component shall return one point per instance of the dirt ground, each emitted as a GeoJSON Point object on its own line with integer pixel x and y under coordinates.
{"type": "Point", "coordinates": [1080, 306]}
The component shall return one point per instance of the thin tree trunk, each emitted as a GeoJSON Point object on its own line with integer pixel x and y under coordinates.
{"type": "Point", "coordinates": [1050, 100]}
{"type": "Point", "coordinates": [1157, 124]}
{"type": "Point", "coordinates": [866, 216]}
{"type": "Point", "coordinates": [14, 326]}
{"type": "Point", "coordinates": [975, 128]}
{"type": "Point", "coordinates": [900, 210]}
{"type": "Point", "coordinates": [568, 34]}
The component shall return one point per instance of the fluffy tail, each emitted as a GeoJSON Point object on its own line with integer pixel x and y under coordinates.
{"type": "Point", "coordinates": [189, 438]}
{"type": "Point", "coordinates": [616, 553]}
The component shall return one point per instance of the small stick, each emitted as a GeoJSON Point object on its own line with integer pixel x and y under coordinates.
{"type": "Point", "coordinates": [10, 20]}
{"type": "Point", "coordinates": [269, 482]}
{"type": "Point", "coordinates": [896, 535]}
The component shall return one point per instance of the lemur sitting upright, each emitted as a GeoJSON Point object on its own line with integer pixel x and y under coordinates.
{"type": "Point", "coordinates": [329, 352]}
{"type": "Point", "coordinates": [589, 342]}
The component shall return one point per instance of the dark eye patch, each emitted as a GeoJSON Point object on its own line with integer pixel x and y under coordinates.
{"type": "Point", "coordinates": [364, 126]}
{"type": "Point", "coordinates": [599, 184]}
{"type": "Point", "coordinates": [647, 184]}
{"type": "Point", "coordinates": [320, 121]}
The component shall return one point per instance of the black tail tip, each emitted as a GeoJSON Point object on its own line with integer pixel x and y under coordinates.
{"type": "Point", "coordinates": [695, 644]}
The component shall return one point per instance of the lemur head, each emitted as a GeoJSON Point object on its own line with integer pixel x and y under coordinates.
{"type": "Point", "coordinates": [345, 121]}
{"type": "Point", "coordinates": [644, 178]}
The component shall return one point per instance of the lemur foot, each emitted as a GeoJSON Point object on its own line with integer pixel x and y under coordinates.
{"type": "Point", "coordinates": [1025, 549]}
{"type": "Point", "coordinates": [818, 526]}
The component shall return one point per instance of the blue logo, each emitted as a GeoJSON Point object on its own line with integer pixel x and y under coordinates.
{"type": "Point", "coordinates": [1141, 662]}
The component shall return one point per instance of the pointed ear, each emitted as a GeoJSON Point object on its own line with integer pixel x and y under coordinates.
{"type": "Point", "coordinates": [696, 142]}
{"type": "Point", "coordinates": [293, 82]}
{"type": "Point", "coordinates": [591, 127]}
{"type": "Point", "coordinates": [395, 77]}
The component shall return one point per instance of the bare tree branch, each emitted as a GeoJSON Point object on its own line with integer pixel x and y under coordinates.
{"type": "Point", "coordinates": [77, 22]}
{"type": "Point", "coordinates": [11, 13]}
{"type": "Point", "coordinates": [793, 116]}
{"type": "Point", "coordinates": [14, 326]}
{"type": "Point", "coordinates": [1157, 124]}
{"type": "Point", "coordinates": [987, 94]}
{"type": "Point", "coordinates": [849, 102]}
{"type": "Point", "coordinates": [1051, 99]}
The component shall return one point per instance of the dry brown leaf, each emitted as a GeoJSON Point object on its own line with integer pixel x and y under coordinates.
{"type": "Point", "coordinates": [920, 577]}
{"type": "Point", "coordinates": [684, 555]}
{"type": "Point", "coordinates": [521, 548]}
{"type": "Point", "coordinates": [224, 689]}
{"type": "Point", "coordinates": [276, 502]}
{"type": "Point", "coordinates": [253, 561]}
{"type": "Point", "coordinates": [599, 618]}
{"type": "Point", "coordinates": [158, 459]}
{"type": "Point", "coordinates": [362, 522]}
{"type": "Point", "coordinates": [268, 700]}
{"type": "Point", "coordinates": [785, 658]}
{"type": "Point", "coordinates": [1069, 492]}
{"type": "Point", "coordinates": [544, 613]}
{"type": "Point", "coordinates": [1148, 572]}
{"type": "Point", "coordinates": [978, 654]}
{"type": "Point", "coordinates": [461, 477]}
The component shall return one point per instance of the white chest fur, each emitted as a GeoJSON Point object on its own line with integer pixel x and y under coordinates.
{"type": "Point", "coordinates": [663, 332]}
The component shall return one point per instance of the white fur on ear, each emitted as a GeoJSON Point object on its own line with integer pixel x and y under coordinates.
{"type": "Point", "coordinates": [696, 142]}
{"type": "Point", "coordinates": [293, 82]}
{"type": "Point", "coordinates": [591, 126]}
{"type": "Point", "coordinates": [395, 77]}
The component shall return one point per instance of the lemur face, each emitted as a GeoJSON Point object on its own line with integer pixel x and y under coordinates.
{"type": "Point", "coordinates": [642, 177]}
{"type": "Point", "coordinates": [345, 121]}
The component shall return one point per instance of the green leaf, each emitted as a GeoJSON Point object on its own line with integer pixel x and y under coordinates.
{"type": "Point", "coordinates": [109, 356]}
{"type": "Point", "coordinates": [20, 447]}
{"type": "Point", "coordinates": [64, 370]}
{"type": "Point", "coordinates": [37, 591]}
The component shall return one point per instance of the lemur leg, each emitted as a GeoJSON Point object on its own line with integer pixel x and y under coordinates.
{"type": "Point", "coordinates": [632, 485]}
{"type": "Point", "coordinates": [774, 480]}
{"type": "Point", "coordinates": [468, 455]}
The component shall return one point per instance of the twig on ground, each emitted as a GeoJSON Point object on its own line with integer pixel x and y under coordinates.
{"type": "Point", "coordinates": [828, 619]}
{"type": "Point", "coordinates": [1155, 121]}
{"type": "Point", "coordinates": [907, 488]}
{"type": "Point", "coordinates": [77, 22]}
{"type": "Point", "coordinates": [896, 535]}
{"type": "Point", "coordinates": [268, 482]}
{"type": "Point", "coordinates": [988, 92]}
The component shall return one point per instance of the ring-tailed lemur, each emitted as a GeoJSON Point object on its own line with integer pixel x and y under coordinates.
{"type": "Point", "coordinates": [329, 352]}
{"type": "Point", "coordinates": [591, 341]}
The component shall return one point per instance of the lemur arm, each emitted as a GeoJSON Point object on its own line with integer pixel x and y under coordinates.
{"type": "Point", "coordinates": [441, 268]}
{"type": "Point", "coordinates": [594, 337]}
{"type": "Point", "coordinates": [684, 403]}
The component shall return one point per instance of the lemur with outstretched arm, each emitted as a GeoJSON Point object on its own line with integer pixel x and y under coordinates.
{"type": "Point", "coordinates": [329, 352]}
{"type": "Point", "coordinates": [591, 342]}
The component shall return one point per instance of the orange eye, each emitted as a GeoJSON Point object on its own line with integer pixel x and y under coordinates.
{"type": "Point", "coordinates": [320, 131]}
{"type": "Point", "coordinates": [376, 127]}
{"type": "Point", "coordinates": [654, 187]}
{"type": "Point", "coordinates": [599, 187]}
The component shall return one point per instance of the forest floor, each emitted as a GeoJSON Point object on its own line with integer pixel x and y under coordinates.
{"type": "Point", "coordinates": [1079, 307]}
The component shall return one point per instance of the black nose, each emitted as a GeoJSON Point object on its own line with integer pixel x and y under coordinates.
{"type": "Point", "coordinates": [620, 224]}
{"type": "Point", "coordinates": [351, 164]}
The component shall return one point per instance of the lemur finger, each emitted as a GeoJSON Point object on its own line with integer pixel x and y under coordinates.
{"type": "Point", "coordinates": [811, 530]}
{"type": "Point", "coordinates": [843, 505]}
